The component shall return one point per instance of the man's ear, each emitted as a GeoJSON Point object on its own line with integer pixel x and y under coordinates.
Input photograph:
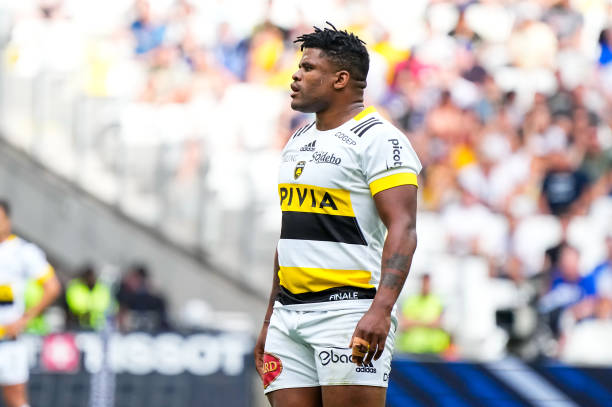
{"type": "Point", "coordinates": [342, 79]}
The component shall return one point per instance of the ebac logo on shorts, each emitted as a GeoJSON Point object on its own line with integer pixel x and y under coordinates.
{"type": "Point", "coordinates": [272, 368]}
{"type": "Point", "coordinates": [330, 356]}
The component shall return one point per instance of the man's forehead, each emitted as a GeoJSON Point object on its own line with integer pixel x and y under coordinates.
{"type": "Point", "coordinates": [312, 54]}
{"type": "Point", "coordinates": [316, 56]}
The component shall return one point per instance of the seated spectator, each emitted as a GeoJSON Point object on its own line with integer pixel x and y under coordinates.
{"type": "Point", "coordinates": [87, 300]}
{"type": "Point", "coordinates": [568, 288]}
{"type": "Point", "coordinates": [420, 329]}
{"type": "Point", "coordinates": [147, 33]}
{"type": "Point", "coordinates": [564, 188]}
{"type": "Point", "coordinates": [140, 308]}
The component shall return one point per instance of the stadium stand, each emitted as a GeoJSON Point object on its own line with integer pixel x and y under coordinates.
{"type": "Point", "coordinates": [170, 115]}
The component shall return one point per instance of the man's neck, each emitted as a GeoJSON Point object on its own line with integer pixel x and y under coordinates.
{"type": "Point", "coordinates": [5, 236]}
{"type": "Point", "coordinates": [336, 116]}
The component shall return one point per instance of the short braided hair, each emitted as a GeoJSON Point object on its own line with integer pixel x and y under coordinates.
{"type": "Point", "coordinates": [344, 49]}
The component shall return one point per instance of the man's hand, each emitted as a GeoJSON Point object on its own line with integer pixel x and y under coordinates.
{"type": "Point", "coordinates": [14, 329]}
{"type": "Point", "coordinates": [373, 328]}
{"type": "Point", "coordinates": [259, 349]}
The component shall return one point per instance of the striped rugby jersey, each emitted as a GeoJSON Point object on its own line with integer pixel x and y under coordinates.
{"type": "Point", "coordinates": [332, 237]}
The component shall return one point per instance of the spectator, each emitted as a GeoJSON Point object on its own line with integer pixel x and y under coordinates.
{"type": "Point", "coordinates": [140, 308]}
{"type": "Point", "coordinates": [147, 33]}
{"type": "Point", "coordinates": [88, 300]}
{"type": "Point", "coordinates": [603, 272]}
{"type": "Point", "coordinates": [568, 289]}
{"type": "Point", "coordinates": [596, 158]}
{"type": "Point", "coordinates": [564, 188]}
{"type": "Point", "coordinates": [420, 326]}
{"type": "Point", "coordinates": [605, 44]}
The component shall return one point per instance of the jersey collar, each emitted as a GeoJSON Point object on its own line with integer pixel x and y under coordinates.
{"type": "Point", "coordinates": [364, 113]}
{"type": "Point", "coordinates": [8, 239]}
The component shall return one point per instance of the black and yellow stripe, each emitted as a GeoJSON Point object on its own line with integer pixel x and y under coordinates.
{"type": "Point", "coordinates": [300, 280]}
{"type": "Point", "coordinates": [286, 297]}
{"type": "Point", "coordinates": [321, 214]}
{"type": "Point", "coordinates": [6, 295]}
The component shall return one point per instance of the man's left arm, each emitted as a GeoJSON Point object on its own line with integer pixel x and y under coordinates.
{"type": "Point", "coordinates": [397, 209]}
{"type": "Point", "coordinates": [51, 290]}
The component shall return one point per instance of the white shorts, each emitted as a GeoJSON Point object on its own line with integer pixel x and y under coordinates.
{"type": "Point", "coordinates": [310, 348]}
{"type": "Point", "coordinates": [14, 367]}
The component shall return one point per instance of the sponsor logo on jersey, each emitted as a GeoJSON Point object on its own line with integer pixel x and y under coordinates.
{"type": "Point", "coordinates": [332, 357]}
{"type": "Point", "coordinates": [316, 213]}
{"type": "Point", "coordinates": [310, 146]}
{"type": "Point", "coordinates": [396, 151]}
{"type": "Point", "coordinates": [272, 368]}
{"type": "Point", "coordinates": [344, 296]}
{"type": "Point", "coordinates": [345, 138]}
{"type": "Point", "coordinates": [323, 157]}
{"type": "Point", "coordinates": [290, 158]}
{"type": "Point", "coordinates": [299, 169]}
{"type": "Point", "coordinates": [309, 198]}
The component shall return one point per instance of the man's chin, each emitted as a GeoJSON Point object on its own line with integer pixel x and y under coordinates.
{"type": "Point", "coordinates": [299, 107]}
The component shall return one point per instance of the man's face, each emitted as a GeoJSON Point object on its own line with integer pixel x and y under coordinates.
{"type": "Point", "coordinates": [5, 223]}
{"type": "Point", "coordinates": [570, 264]}
{"type": "Point", "coordinates": [312, 86]}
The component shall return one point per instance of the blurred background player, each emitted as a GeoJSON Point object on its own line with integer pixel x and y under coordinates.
{"type": "Point", "coordinates": [19, 262]}
{"type": "Point", "coordinates": [421, 322]}
{"type": "Point", "coordinates": [88, 300]}
{"type": "Point", "coordinates": [345, 180]}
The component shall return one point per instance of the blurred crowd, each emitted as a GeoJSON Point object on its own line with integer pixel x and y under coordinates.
{"type": "Point", "coordinates": [89, 302]}
{"type": "Point", "coordinates": [507, 104]}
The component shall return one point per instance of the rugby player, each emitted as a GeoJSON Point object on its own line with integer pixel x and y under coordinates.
{"type": "Point", "coordinates": [20, 261]}
{"type": "Point", "coordinates": [348, 193]}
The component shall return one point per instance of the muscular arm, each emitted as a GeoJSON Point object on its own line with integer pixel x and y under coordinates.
{"type": "Point", "coordinates": [397, 209]}
{"type": "Point", "coordinates": [261, 339]}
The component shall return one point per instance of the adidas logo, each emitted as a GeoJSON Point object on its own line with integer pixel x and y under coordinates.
{"type": "Point", "coordinates": [309, 147]}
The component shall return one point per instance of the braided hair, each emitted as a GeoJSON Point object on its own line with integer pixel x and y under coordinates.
{"type": "Point", "coordinates": [344, 49]}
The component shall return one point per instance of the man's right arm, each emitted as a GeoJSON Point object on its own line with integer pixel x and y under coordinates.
{"type": "Point", "coordinates": [261, 339]}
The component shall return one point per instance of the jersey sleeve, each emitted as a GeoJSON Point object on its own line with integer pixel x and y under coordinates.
{"type": "Point", "coordinates": [389, 161]}
{"type": "Point", "coordinates": [36, 265]}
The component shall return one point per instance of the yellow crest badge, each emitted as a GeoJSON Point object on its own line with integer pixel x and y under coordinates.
{"type": "Point", "coordinates": [299, 168]}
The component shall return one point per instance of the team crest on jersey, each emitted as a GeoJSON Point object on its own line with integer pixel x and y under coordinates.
{"type": "Point", "coordinates": [299, 169]}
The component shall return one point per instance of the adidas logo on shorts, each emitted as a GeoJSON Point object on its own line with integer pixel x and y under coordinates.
{"type": "Point", "coordinates": [366, 368]}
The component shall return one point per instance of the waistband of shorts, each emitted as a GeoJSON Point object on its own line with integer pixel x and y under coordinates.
{"type": "Point", "coordinates": [331, 295]}
{"type": "Point", "coordinates": [8, 339]}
